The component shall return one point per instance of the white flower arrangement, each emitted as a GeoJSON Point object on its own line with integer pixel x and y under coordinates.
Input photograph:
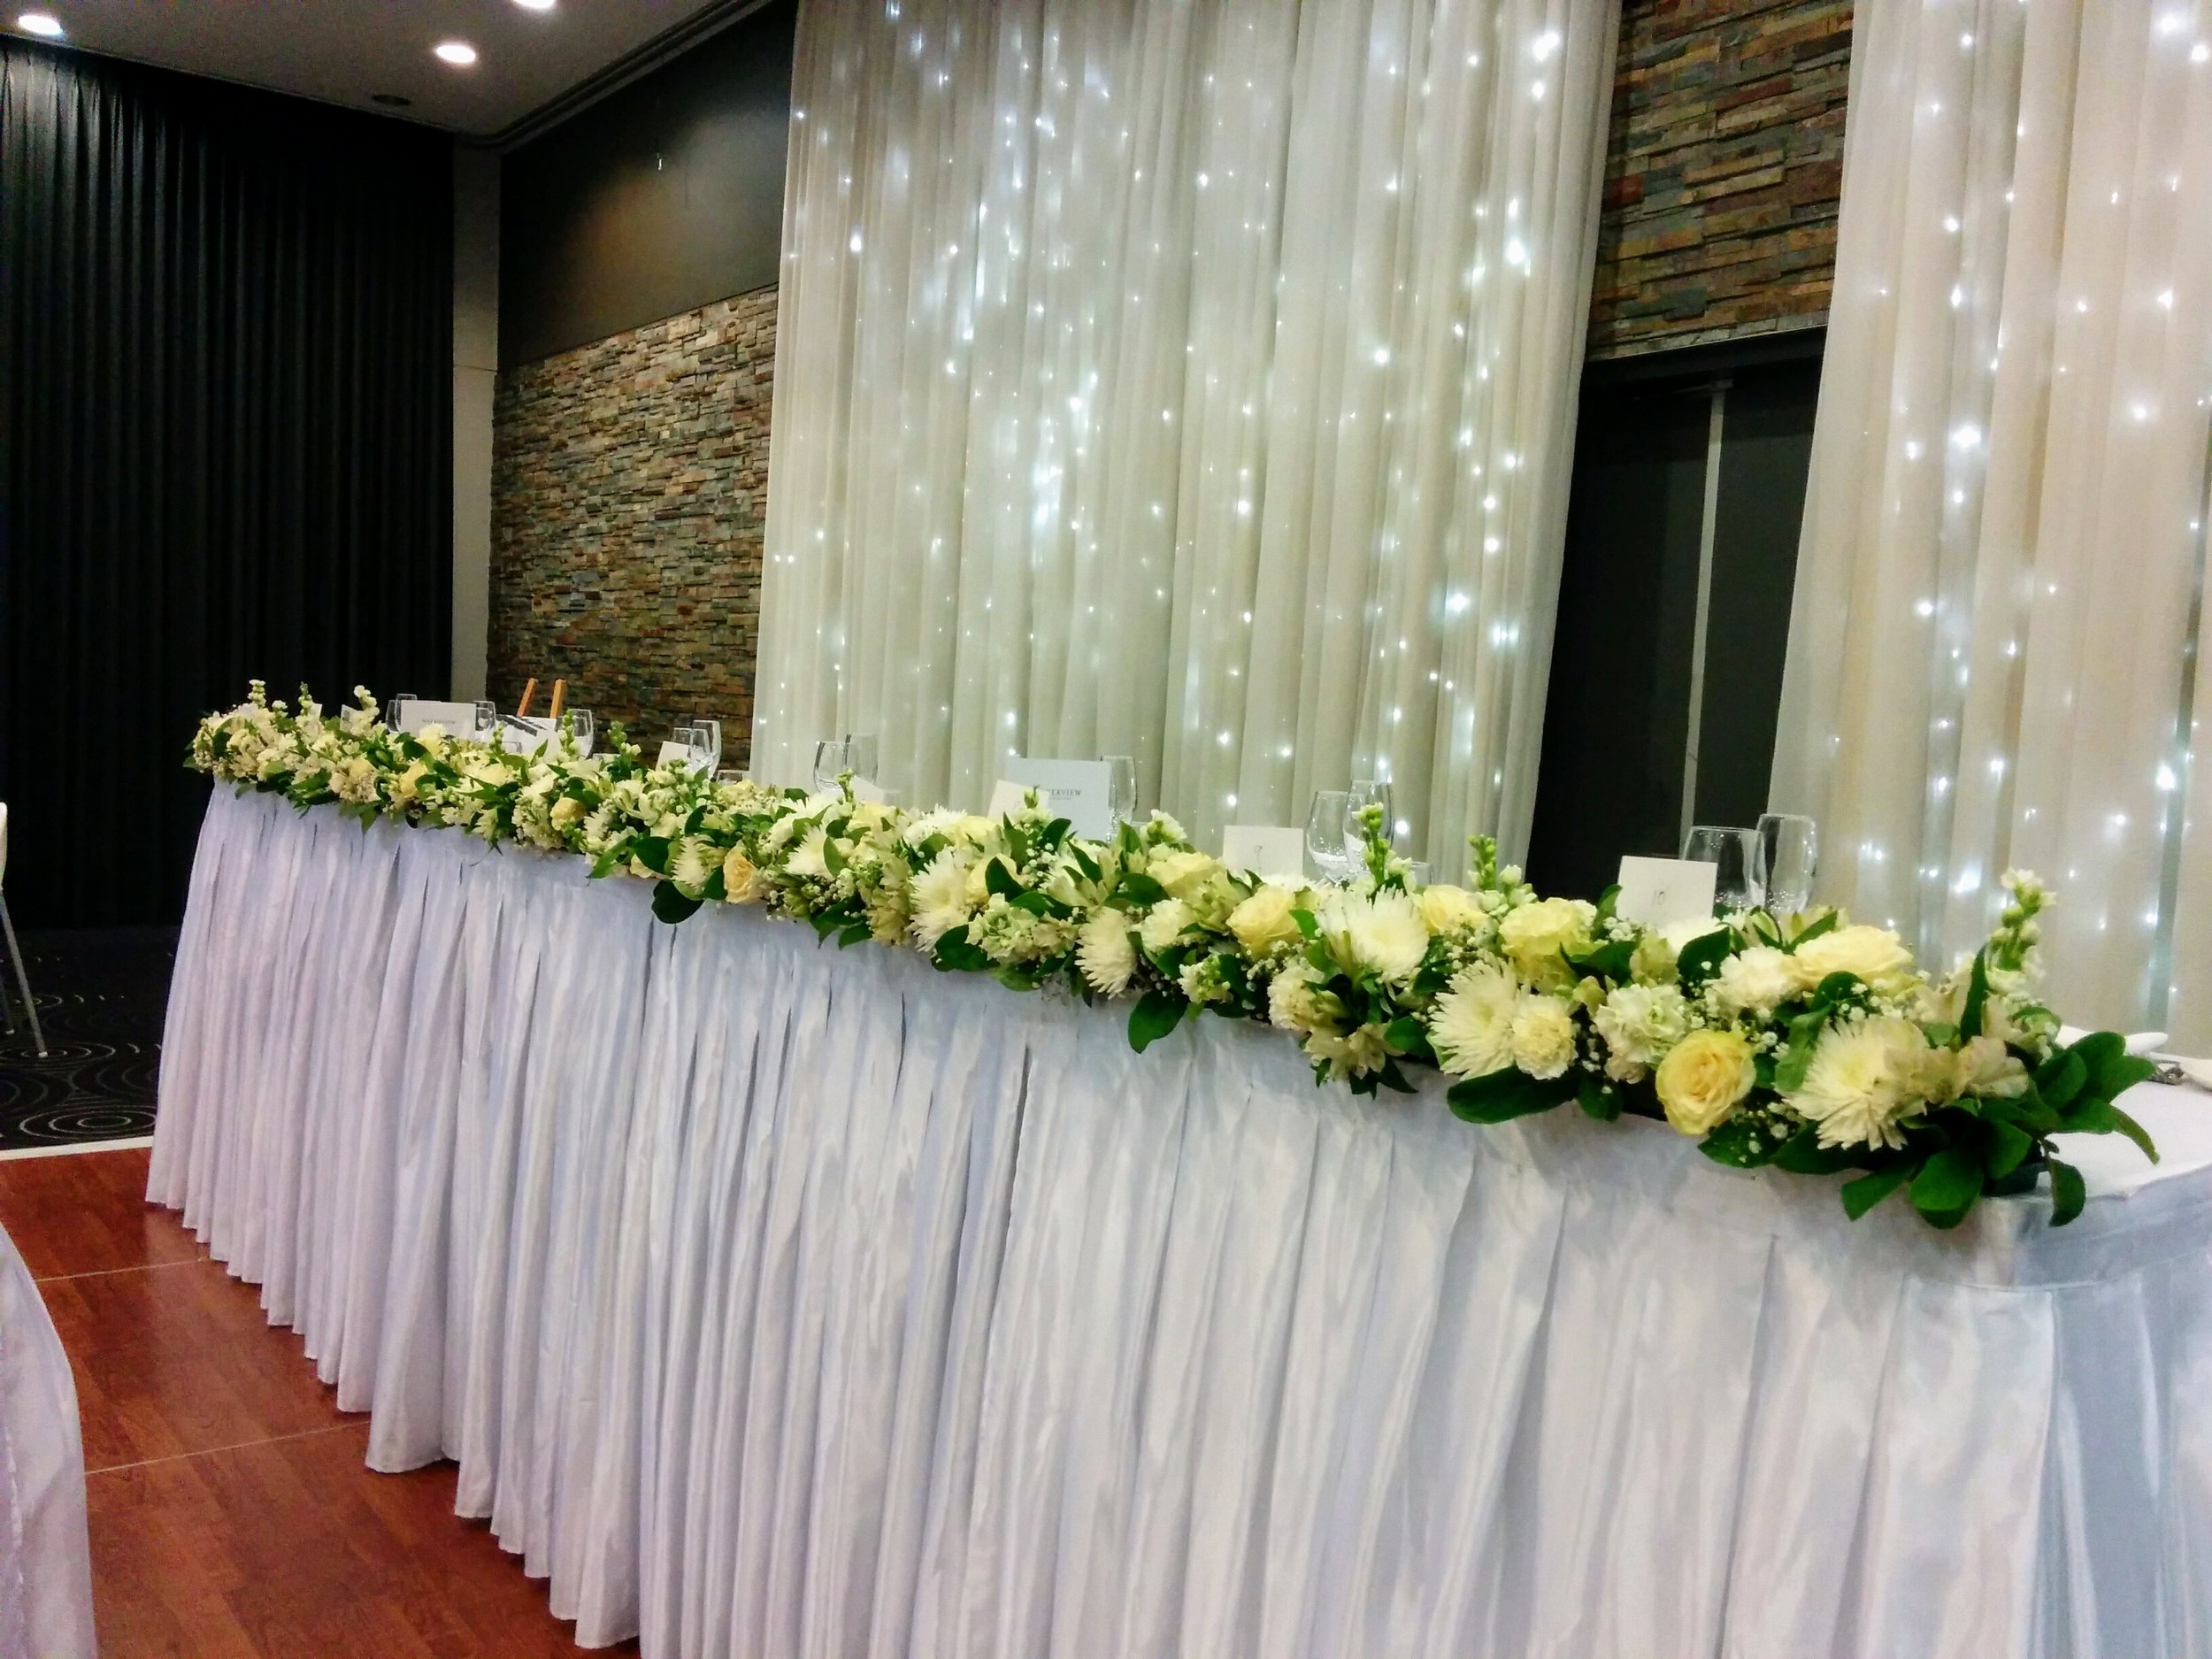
{"type": "Point", "coordinates": [1805, 1042]}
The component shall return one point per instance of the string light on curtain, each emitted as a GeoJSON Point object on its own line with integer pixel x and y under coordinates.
{"type": "Point", "coordinates": [1993, 648]}
{"type": "Point", "coordinates": [1194, 381]}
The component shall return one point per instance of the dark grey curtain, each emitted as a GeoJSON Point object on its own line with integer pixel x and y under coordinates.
{"type": "Point", "coordinates": [226, 444]}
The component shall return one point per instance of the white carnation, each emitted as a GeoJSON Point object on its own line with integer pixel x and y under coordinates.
{"type": "Point", "coordinates": [1164, 924]}
{"type": "Point", "coordinates": [1757, 981]}
{"type": "Point", "coordinates": [1544, 1036]}
{"type": "Point", "coordinates": [1294, 998]}
{"type": "Point", "coordinates": [1639, 1023]}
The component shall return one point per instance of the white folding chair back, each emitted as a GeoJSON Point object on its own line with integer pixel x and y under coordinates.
{"type": "Point", "coordinates": [15, 951]}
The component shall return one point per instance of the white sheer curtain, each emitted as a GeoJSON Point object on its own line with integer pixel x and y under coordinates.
{"type": "Point", "coordinates": [1993, 653]}
{"type": "Point", "coordinates": [1186, 379]}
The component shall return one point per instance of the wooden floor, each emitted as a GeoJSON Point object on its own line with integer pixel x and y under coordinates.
{"type": "Point", "coordinates": [231, 1513]}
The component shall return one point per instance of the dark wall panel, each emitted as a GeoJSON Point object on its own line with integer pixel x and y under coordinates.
{"type": "Point", "coordinates": [660, 198]}
{"type": "Point", "coordinates": [225, 443]}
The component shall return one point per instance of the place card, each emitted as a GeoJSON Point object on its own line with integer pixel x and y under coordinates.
{"type": "Point", "coordinates": [673, 754]}
{"type": "Point", "coordinates": [1264, 850]}
{"type": "Point", "coordinates": [1077, 790]}
{"type": "Point", "coordinates": [1659, 891]}
{"type": "Point", "coordinates": [456, 719]}
{"type": "Point", "coordinates": [1007, 796]}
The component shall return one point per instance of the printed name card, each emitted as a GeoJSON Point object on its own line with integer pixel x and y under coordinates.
{"type": "Point", "coordinates": [1006, 797]}
{"type": "Point", "coordinates": [455, 720]}
{"type": "Point", "coordinates": [1659, 891]}
{"type": "Point", "coordinates": [1077, 790]}
{"type": "Point", "coordinates": [1264, 850]}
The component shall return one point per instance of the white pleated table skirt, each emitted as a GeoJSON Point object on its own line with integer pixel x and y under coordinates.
{"type": "Point", "coordinates": [776, 1299]}
{"type": "Point", "coordinates": [45, 1553]}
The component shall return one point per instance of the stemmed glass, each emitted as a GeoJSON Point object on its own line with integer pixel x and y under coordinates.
{"type": "Point", "coordinates": [1121, 787]}
{"type": "Point", "coordinates": [1327, 838]}
{"type": "Point", "coordinates": [706, 734]}
{"type": "Point", "coordinates": [487, 717]}
{"type": "Point", "coordinates": [860, 755]}
{"type": "Point", "coordinates": [1791, 843]}
{"type": "Point", "coordinates": [1740, 883]}
{"type": "Point", "coordinates": [831, 761]}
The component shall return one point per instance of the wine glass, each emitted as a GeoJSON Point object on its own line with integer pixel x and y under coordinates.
{"type": "Point", "coordinates": [1740, 883]}
{"type": "Point", "coordinates": [396, 710]}
{"type": "Point", "coordinates": [1326, 837]}
{"type": "Point", "coordinates": [860, 755]}
{"type": "Point", "coordinates": [830, 763]}
{"type": "Point", "coordinates": [1121, 787]}
{"type": "Point", "coordinates": [1791, 843]}
{"type": "Point", "coordinates": [703, 748]}
{"type": "Point", "coordinates": [1363, 794]}
{"type": "Point", "coordinates": [707, 733]}
{"type": "Point", "coordinates": [487, 717]}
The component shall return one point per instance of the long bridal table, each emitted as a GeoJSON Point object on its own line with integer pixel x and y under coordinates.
{"type": "Point", "coordinates": [776, 1300]}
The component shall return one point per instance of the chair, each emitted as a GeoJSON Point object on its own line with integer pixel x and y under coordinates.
{"type": "Point", "coordinates": [15, 951]}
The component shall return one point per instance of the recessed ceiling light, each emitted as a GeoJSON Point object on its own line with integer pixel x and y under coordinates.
{"type": "Point", "coordinates": [39, 23]}
{"type": "Point", "coordinates": [460, 54]}
{"type": "Point", "coordinates": [535, 5]}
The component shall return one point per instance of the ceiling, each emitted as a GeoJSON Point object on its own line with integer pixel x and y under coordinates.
{"type": "Point", "coordinates": [345, 51]}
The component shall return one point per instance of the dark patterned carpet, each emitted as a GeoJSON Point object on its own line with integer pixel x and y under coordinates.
{"type": "Point", "coordinates": [101, 996]}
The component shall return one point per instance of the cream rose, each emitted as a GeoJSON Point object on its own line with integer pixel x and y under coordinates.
{"type": "Point", "coordinates": [1263, 920]}
{"type": "Point", "coordinates": [1543, 1036]}
{"type": "Point", "coordinates": [1185, 873]}
{"type": "Point", "coordinates": [1875, 954]}
{"type": "Point", "coordinates": [741, 880]}
{"type": "Point", "coordinates": [1703, 1079]}
{"type": "Point", "coordinates": [1536, 934]}
{"type": "Point", "coordinates": [1449, 910]}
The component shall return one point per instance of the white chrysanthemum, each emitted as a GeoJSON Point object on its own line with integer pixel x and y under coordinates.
{"type": "Point", "coordinates": [1470, 1027]}
{"type": "Point", "coordinates": [1104, 955]}
{"type": "Point", "coordinates": [692, 864]}
{"type": "Point", "coordinates": [940, 897]}
{"type": "Point", "coordinates": [1351, 1054]}
{"type": "Point", "coordinates": [1639, 1023]}
{"type": "Point", "coordinates": [1164, 924]}
{"type": "Point", "coordinates": [1756, 981]}
{"type": "Point", "coordinates": [1864, 1078]}
{"type": "Point", "coordinates": [808, 858]}
{"type": "Point", "coordinates": [1544, 1036]}
{"type": "Point", "coordinates": [1381, 931]}
{"type": "Point", "coordinates": [354, 779]}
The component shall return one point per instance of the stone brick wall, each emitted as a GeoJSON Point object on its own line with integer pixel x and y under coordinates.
{"type": "Point", "coordinates": [1724, 168]}
{"type": "Point", "coordinates": [629, 491]}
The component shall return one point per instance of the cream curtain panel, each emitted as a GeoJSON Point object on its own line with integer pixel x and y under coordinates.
{"type": "Point", "coordinates": [1186, 379]}
{"type": "Point", "coordinates": [1993, 655]}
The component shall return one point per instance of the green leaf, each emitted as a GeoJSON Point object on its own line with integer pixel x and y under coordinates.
{"type": "Point", "coordinates": [853, 933]}
{"type": "Point", "coordinates": [1947, 1186]}
{"type": "Point", "coordinates": [1598, 1099]}
{"type": "Point", "coordinates": [2059, 1079]}
{"type": "Point", "coordinates": [2069, 1193]}
{"type": "Point", "coordinates": [2004, 1147]}
{"type": "Point", "coordinates": [670, 905]}
{"type": "Point", "coordinates": [2112, 1070]}
{"type": "Point", "coordinates": [1700, 960]}
{"type": "Point", "coordinates": [999, 880]}
{"type": "Point", "coordinates": [1825, 924]}
{"type": "Point", "coordinates": [1141, 888]}
{"type": "Point", "coordinates": [1977, 997]}
{"type": "Point", "coordinates": [954, 951]}
{"type": "Point", "coordinates": [1084, 861]}
{"type": "Point", "coordinates": [1509, 1093]}
{"type": "Point", "coordinates": [1607, 961]}
{"type": "Point", "coordinates": [1742, 1143]}
{"type": "Point", "coordinates": [1308, 927]}
{"type": "Point", "coordinates": [1862, 1195]}
{"type": "Point", "coordinates": [1054, 832]}
{"type": "Point", "coordinates": [1803, 1155]}
{"type": "Point", "coordinates": [652, 852]}
{"type": "Point", "coordinates": [1390, 1078]}
{"type": "Point", "coordinates": [1158, 1012]}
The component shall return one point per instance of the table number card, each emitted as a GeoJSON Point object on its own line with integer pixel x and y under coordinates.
{"type": "Point", "coordinates": [1659, 891]}
{"type": "Point", "coordinates": [1077, 790]}
{"type": "Point", "coordinates": [455, 720]}
{"type": "Point", "coordinates": [1264, 850]}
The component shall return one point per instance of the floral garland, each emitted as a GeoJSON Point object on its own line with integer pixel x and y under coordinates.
{"type": "Point", "coordinates": [1802, 1042]}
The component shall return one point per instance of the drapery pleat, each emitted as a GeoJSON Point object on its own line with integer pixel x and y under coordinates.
{"type": "Point", "coordinates": [225, 443]}
{"type": "Point", "coordinates": [1995, 649]}
{"type": "Point", "coordinates": [1190, 381]}
{"type": "Point", "coordinates": [780, 1299]}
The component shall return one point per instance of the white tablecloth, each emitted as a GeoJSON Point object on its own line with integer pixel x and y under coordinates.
{"type": "Point", "coordinates": [776, 1300]}
{"type": "Point", "coordinates": [45, 1554]}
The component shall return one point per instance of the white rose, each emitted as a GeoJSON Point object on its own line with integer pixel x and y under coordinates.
{"type": "Point", "coordinates": [1875, 954]}
{"type": "Point", "coordinates": [1703, 1079]}
{"type": "Point", "coordinates": [1543, 1035]}
{"type": "Point", "coordinates": [1263, 920]}
{"type": "Point", "coordinates": [1536, 934]}
{"type": "Point", "coordinates": [1183, 874]}
{"type": "Point", "coordinates": [1449, 910]}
